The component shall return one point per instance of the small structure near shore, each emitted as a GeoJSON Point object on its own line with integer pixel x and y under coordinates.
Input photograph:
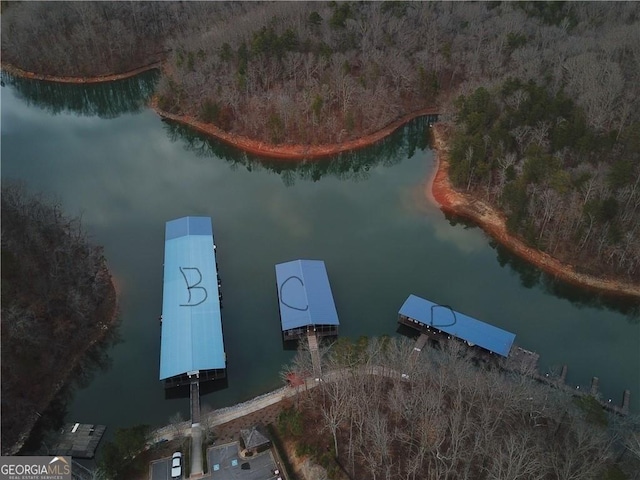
{"type": "Point", "coordinates": [305, 300]}
{"type": "Point", "coordinates": [79, 440]}
{"type": "Point", "coordinates": [254, 440]}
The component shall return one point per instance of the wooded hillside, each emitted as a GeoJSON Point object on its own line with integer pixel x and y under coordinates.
{"type": "Point", "coordinates": [568, 186]}
{"type": "Point", "coordinates": [322, 72]}
{"type": "Point", "coordinates": [544, 95]}
{"type": "Point", "coordinates": [453, 415]}
{"type": "Point", "coordinates": [57, 299]}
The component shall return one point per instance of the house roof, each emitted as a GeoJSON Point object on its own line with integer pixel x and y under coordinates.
{"type": "Point", "coordinates": [254, 437]}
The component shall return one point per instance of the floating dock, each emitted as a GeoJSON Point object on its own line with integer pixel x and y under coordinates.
{"type": "Point", "coordinates": [79, 440]}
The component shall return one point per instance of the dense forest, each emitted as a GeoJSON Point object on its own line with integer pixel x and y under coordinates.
{"type": "Point", "coordinates": [451, 415]}
{"type": "Point", "coordinates": [57, 300]}
{"type": "Point", "coordinates": [543, 96]}
{"type": "Point", "coordinates": [568, 187]}
{"type": "Point", "coordinates": [316, 71]}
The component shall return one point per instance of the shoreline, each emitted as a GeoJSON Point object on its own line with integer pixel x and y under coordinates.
{"type": "Point", "coordinates": [493, 222]}
{"type": "Point", "coordinates": [289, 152]}
{"type": "Point", "coordinates": [18, 72]}
{"type": "Point", "coordinates": [106, 315]}
{"type": "Point", "coordinates": [438, 190]}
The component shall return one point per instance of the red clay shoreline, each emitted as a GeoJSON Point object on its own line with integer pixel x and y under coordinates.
{"type": "Point", "coordinates": [18, 72]}
{"type": "Point", "coordinates": [439, 189]}
{"type": "Point", "coordinates": [291, 152]}
{"type": "Point", "coordinates": [493, 222]}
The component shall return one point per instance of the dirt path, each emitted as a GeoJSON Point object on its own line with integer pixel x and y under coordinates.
{"type": "Point", "coordinates": [493, 222]}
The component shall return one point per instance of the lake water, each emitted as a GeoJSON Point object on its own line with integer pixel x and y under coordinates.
{"type": "Point", "coordinates": [106, 157]}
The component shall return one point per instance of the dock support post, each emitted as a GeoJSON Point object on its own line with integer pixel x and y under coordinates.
{"type": "Point", "coordinates": [594, 386]}
{"type": "Point", "coordinates": [626, 398]}
{"type": "Point", "coordinates": [563, 375]}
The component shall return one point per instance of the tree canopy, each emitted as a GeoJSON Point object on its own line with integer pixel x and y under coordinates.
{"type": "Point", "coordinates": [57, 298]}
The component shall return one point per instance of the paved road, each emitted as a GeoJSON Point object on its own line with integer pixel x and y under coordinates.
{"type": "Point", "coordinates": [196, 450]}
{"type": "Point", "coordinates": [224, 415]}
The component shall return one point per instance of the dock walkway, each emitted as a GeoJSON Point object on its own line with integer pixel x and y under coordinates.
{"type": "Point", "coordinates": [417, 348]}
{"type": "Point", "coordinates": [315, 354]}
{"type": "Point", "coordinates": [525, 362]}
{"type": "Point", "coordinates": [195, 401]}
{"type": "Point", "coordinates": [196, 429]}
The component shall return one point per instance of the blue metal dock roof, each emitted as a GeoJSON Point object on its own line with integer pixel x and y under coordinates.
{"type": "Point", "coordinates": [304, 294]}
{"type": "Point", "coordinates": [458, 324]}
{"type": "Point", "coordinates": [191, 321]}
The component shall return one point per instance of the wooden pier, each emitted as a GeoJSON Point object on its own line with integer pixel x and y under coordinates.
{"type": "Point", "coordinates": [195, 401]}
{"type": "Point", "coordinates": [520, 361]}
{"type": "Point", "coordinates": [196, 429]}
{"type": "Point", "coordinates": [592, 391]}
{"type": "Point", "coordinates": [315, 354]}
{"type": "Point", "coordinates": [487, 345]}
{"type": "Point", "coordinates": [417, 348]}
{"type": "Point", "coordinates": [525, 362]}
{"type": "Point", "coordinates": [79, 440]}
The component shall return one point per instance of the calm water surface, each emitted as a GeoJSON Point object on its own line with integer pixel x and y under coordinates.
{"type": "Point", "coordinates": [107, 158]}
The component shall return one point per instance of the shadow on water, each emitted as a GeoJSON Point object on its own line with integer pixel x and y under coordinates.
{"type": "Point", "coordinates": [406, 331]}
{"type": "Point", "coordinates": [353, 165]}
{"type": "Point", "coordinates": [531, 276]}
{"type": "Point", "coordinates": [291, 345]}
{"type": "Point", "coordinates": [97, 360]}
{"type": "Point", "coordinates": [104, 100]}
{"type": "Point", "coordinates": [184, 391]}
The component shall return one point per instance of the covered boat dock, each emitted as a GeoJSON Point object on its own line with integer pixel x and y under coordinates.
{"type": "Point", "coordinates": [305, 299]}
{"type": "Point", "coordinates": [437, 320]}
{"type": "Point", "coordinates": [191, 346]}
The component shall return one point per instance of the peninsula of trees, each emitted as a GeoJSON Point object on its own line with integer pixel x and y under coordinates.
{"type": "Point", "coordinates": [541, 97]}
{"type": "Point", "coordinates": [58, 300]}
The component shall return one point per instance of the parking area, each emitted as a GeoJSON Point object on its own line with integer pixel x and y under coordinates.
{"type": "Point", "coordinates": [225, 463]}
